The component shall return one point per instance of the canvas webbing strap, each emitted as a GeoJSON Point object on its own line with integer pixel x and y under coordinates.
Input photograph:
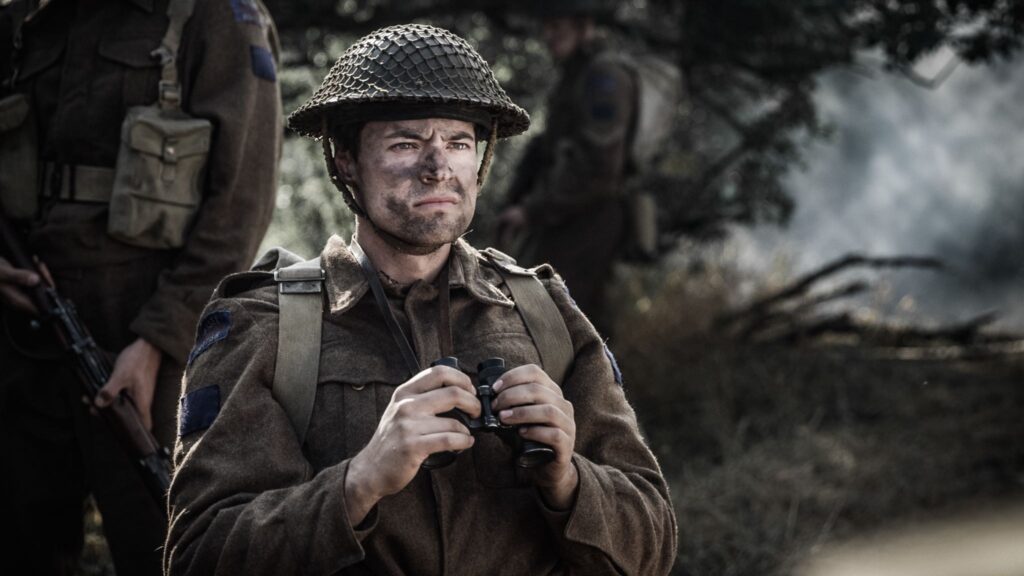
{"type": "Point", "coordinates": [300, 324]}
{"type": "Point", "coordinates": [178, 11]}
{"type": "Point", "coordinates": [543, 321]}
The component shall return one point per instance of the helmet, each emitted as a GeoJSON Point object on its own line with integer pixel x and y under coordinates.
{"type": "Point", "coordinates": [410, 71]}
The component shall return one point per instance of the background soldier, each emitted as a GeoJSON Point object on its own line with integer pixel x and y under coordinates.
{"type": "Point", "coordinates": [138, 248]}
{"type": "Point", "coordinates": [567, 202]}
{"type": "Point", "coordinates": [285, 471]}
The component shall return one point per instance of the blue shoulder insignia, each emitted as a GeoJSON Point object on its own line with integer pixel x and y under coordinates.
{"type": "Point", "coordinates": [199, 408]}
{"type": "Point", "coordinates": [263, 63]}
{"type": "Point", "coordinates": [213, 328]}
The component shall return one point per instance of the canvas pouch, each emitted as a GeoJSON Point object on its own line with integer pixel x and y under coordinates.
{"type": "Point", "coordinates": [158, 177]}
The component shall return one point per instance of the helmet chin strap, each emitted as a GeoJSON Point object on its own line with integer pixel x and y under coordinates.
{"type": "Point", "coordinates": [347, 194]}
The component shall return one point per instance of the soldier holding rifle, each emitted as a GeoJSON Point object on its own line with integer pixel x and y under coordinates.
{"type": "Point", "coordinates": [138, 150]}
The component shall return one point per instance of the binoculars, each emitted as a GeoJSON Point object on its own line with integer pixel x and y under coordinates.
{"type": "Point", "coordinates": [529, 454]}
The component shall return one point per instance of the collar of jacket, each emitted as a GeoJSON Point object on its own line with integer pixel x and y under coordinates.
{"type": "Point", "coordinates": [346, 284]}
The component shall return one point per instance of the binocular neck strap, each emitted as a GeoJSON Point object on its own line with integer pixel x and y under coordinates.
{"type": "Point", "coordinates": [444, 297]}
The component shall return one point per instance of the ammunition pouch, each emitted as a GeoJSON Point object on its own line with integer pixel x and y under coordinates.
{"type": "Point", "coordinates": [19, 158]}
{"type": "Point", "coordinates": [158, 177]}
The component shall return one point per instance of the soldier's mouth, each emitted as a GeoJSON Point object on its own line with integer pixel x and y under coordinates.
{"type": "Point", "coordinates": [433, 201]}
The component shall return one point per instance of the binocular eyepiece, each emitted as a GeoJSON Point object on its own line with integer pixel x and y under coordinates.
{"type": "Point", "coordinates": [529, 454]}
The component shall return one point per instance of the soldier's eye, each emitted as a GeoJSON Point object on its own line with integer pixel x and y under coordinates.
{"type": "Point", "coordinates": [459, 145]}
{"type": "Point", "coordinates": [404, 146]}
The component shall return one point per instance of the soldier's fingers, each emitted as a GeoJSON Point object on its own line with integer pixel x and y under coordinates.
{"type": "Point", "coordinates": [20, 276]}
{"type": "Point", "coordinates": [17, 299]}
{"type": "Point", "coordinates": [45, 271]}
{"type": "Point", "coordinates": [443, 442]}
{"type": "Point", "coordinates": [443, 399]}
{"type": "Point", "coordinates": [531, 393]}
{"type": "Point", "coordinates": [433, 378]}
{"type": "Point", "coordinates": [110, 391]}
{"type": "Point", "coordinates": [542, 414]}
{"type": "Point", "coordinates": [526, 374]}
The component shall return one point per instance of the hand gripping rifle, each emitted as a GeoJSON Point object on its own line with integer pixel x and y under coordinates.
{"type": "Point", "coordinates": [93, 368]}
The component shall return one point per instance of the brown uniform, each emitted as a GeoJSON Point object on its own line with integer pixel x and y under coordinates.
{"type": "Point", "coordinates": [83, 64]}
{"type": "Point", "coordinates": [248, 499]}
{"type": "Point", "coordinates": [571, 179]}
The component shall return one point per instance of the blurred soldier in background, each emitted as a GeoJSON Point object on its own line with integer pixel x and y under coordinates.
{"type": "Point", "coordinates": [138, 156]}
{"type": "Point", "coordinates": [567, 202]}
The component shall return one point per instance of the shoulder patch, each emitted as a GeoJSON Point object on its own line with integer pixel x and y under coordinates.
{"type": "Point", "coordinates": [213, 328]}
{"type": "Point", "coordinates": [615, 365]}
{"type": "Point", "coordinates": [199, 408]}
{"type": "Point", "coordinates": [263, 63]}
{"type": "Point", "coordinates": [247, 12]}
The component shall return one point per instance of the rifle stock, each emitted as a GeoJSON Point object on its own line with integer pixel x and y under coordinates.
{"type": "Point", "coordinates": [93, 369]}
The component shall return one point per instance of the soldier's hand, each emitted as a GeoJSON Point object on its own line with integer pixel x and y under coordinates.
{"type": "Point", "coordinates": [135, 372]}
{"type": "Point", "coordinates": [13, 281]}
{"type": "Point", "coordinates": [528, 398]}
{"type": "Point", "coordinates": [409, 432]}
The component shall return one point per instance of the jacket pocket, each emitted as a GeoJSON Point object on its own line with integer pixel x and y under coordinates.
{"type": "Point", "coordinates": [130, 62]}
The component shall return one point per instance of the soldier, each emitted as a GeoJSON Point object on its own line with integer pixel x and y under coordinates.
{"type": "Point", "coordinates": [98, 103]}
{"type": "Point", "coordinates": [567, 204]}
{"type": "Point", "coordinates": [314, 436]}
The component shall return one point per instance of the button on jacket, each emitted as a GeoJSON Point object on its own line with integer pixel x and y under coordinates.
{"type": "Point", "coordinates": [247, 498]}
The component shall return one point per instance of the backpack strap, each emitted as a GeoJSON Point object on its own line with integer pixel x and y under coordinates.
{"type": "Point", "coordinates": [543, 320]}
{"type": "Point", "coordinates": [300, 325]}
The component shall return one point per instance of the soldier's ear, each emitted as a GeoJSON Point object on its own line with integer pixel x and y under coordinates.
{"type": "Point", "coordinates": [346, 165]}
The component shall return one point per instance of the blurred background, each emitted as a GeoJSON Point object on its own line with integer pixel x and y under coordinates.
{"type": "Point", "coordinates": [828, 351]}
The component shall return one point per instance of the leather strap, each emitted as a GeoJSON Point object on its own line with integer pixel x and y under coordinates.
{"type": "Point", "coordinates": [299, 330]}
{"type": "Point", "coordinates": [75, 183]}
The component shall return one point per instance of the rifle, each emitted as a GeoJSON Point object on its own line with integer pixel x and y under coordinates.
{"type": "Point", "coordinates": [94, 369]}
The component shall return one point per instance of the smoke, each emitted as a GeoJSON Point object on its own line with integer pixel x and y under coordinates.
{"type": "Point", "coordinates": [916, 171]}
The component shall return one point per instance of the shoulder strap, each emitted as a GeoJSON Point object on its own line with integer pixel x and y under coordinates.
{"type": "Point", "coordinates": [299, 328]}
{"type": "Point", "coordinates": [178, 12]}
{"type": "Point", "coordinates": [543, 320]}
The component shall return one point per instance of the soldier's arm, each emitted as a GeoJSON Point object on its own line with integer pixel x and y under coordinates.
{"type": "Point", "coordinates": [622, 520]}
{"type": "Point", "coordinates": [228, 75]}
{"type": "Point", "coordinates": [244, 499]}
{"type": "Point", "coordinates": [591, 164]}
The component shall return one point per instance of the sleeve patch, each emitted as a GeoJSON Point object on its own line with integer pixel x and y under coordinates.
{"type": "Point", "coordinates": [247, 12]}
{"type": "Point", "coordinates": [614, 363]}
{"type": "Point", "coordinates": [213, 328]}
{"type": "Point", "coordinates": [199, 408]}
{"type": "Point", "coordinates": [263, 63]}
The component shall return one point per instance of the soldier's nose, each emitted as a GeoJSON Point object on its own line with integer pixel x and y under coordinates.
{"type": "Point", "coordinates": [435, 167]}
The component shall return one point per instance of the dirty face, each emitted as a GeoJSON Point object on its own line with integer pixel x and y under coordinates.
{"type": "Point", "coordinates": [416, 178]}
